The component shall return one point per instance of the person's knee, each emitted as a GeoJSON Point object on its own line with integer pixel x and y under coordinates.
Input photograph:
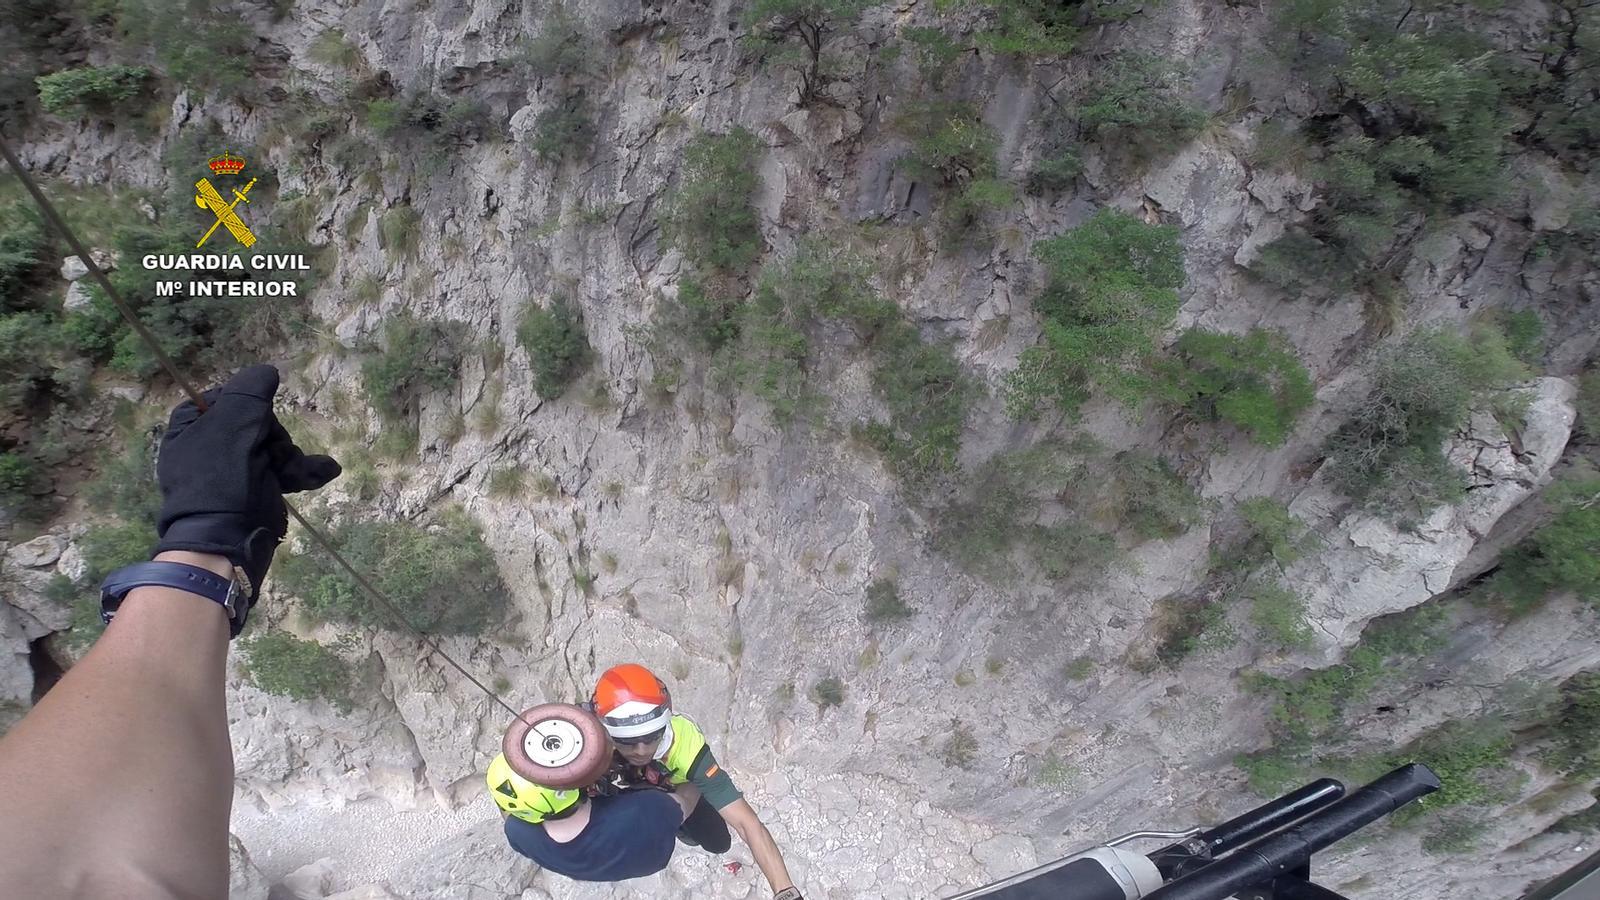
{"type": "Point", "coordinates": [718, 842]}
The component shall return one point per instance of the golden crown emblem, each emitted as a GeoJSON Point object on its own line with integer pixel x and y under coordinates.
{"type": "Point", "coordinates": [226, 164]}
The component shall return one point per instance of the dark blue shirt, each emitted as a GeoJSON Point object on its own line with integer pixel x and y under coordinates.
{"type": "Point", "coordinates": [630, 835]}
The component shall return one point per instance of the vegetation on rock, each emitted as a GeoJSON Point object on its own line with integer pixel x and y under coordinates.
{"type": "Point", "coordinates": [442, 579]}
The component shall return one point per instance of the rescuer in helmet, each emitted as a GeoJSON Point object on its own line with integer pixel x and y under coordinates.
{"type": "Point", "coordinates": [636, 709]}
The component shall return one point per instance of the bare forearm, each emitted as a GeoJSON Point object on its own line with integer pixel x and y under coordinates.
{"type": "Point", "coordinates": [120, 782]}
{"type": "Point", "coordinates": [767, 856]}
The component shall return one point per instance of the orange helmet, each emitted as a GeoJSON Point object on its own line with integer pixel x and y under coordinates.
{"type": "Point", "coordinates": [632, 703]}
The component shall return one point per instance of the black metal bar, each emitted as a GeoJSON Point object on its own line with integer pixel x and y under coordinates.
{"type": "Point", "coordinates": [1264, 862]}
{"type": "Point", "coordinates": [1295, 889]}
{"type": "Point", "coordinates": [1269, 817]}
{"type": "Point", "coordinates": [1176, 860]}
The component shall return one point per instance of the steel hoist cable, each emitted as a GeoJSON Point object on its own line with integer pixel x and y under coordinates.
{"type": "Point", "coordinates": [171, 368]}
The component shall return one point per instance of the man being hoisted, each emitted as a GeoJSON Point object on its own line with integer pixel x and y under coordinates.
{"type": "Point", "coordinates": [596, 833]}
{"type": "Point", "coordinates": [636, 709]}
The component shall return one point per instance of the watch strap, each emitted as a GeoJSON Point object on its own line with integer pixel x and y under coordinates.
{"type": "Point", "coordinates": [176, 575]}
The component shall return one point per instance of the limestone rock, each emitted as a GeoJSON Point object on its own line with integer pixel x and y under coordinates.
{"type": "Point", "coordinates": [73, 268]}
{"type": "Point", "coordinates": [366, 892]}
{"type": "Point", "coordinates": [71, 563]}
{"type": "Point", "coordinates": [1005, 853]}
{"type": "Point", "coordinates": [16, 675]}
{"type": "Point", "coordinates": [312, 881]}
{"type": "Point", "coordinates": [1371, 567]}
{"type": "Point", "coordinates": [288, 752]}
{"type": "Point", "coordinates": [245, 881]}
{"type": "Point", "coordinates": [78, 298]}
{"type": "Point", "coordinates": [42, 551]}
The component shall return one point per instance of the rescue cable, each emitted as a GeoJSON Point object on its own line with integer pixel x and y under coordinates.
{"type": "Point", "coordinates": [172, 370]}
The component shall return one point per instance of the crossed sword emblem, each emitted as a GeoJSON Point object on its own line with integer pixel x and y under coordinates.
{"type": "Point", "coordinates": [208, 198]}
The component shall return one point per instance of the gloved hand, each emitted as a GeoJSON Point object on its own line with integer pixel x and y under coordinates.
{"type": "Point", "coordinates": [788, 893]}
{"type": "Point", "coordinates": [223, 474]}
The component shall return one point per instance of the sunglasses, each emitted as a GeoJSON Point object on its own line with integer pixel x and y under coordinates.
{"type": "Point", "coordinates": [641, 739]}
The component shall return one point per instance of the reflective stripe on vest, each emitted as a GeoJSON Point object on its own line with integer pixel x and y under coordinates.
{"type": "Point", "coordinates": [687, 742]}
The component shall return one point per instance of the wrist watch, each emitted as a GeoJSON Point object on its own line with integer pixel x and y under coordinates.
{"type": "Point", "coordinates": [231, 594]}
{"type": "Point", "coordinates": [788, 893]}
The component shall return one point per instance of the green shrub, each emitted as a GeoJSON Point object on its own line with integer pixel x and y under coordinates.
{"type": "Point", "coordinates": [1071, 550]}
{"type": "Point", "coordinates": [440, 125]}
{"type": "Point", "coordinates": [1153, 501]}
{"type": "Point", "coordinates": [1254, 382]}
{"type": "Point", "coordinates": [386, 116]}
{"type": "Point", "coordinates": [126, 485]}
{"type": "Point", "coordinates": [1421, 125]}
{"type": "Point", "coordinates": [922, 386]}
{"type": "Point", "coordinates": [817, 281]}
{"type": "Point", "coordinates": [560, 49]}
{"type": "Point", "coordinates": [1044, 27]}
{"type": "Point", "coordinates": [706, 317]}
{"type": "Point", "coordinates": [935, 51]}
{"type": "Point", "coordinates": [507, 482]}
{"type": "Point", "coordinates": [332, 48]}
{"type": "Point", "coordinates": [417, 355]}
{"type": "Point", "coordinates": [1524, 333]}
{"type": "Point", "coordinates": [1389, 455]}
{"type": "Point", "coordinates": [1575, 727]}
{"type": "Point", "coordinates": [112, 545]}
{"type": "Point", "coordinates": [960, 747]}
{"type": "Point", "coordinates": [30, 361]}
{"type": "Point", "coordinates": [1187, 627]}
{"type": "Point", "coordinates": [400, 230]}
{"type": "Point", "coordinates": [563, 132]}
{"type": "Point", "coordinates": [1055, 172]}
{"type": "Point", "coordinates": [21, 482]}
{"type": "Point", "coordinates": [100, 90]}
{"type": "Point", "coordinates": [443, 580]}
{"type": "Point", "coordinates": [777, 25]}
{"type": "Point", "coordinates": [197, 43]}
{"type": "Point", "coordinates": [1112, 290]}
{"type": "Point", "coordinates": [770, 358]}
{"type": "Point", "coordinates": [999, 512]}
{"type": "Point", "coordinates": [975, 202]}
{"type": "Point", "coordinates": [1562, 555]}
{"type": "Point", "coordinates": [1313, 705]}
{"type": "Point", "coordinates": [1306, 265]}
{"type": "Point", "coordinates": [1279, 615]}
{"type": "Point", "coordinates": [1274, 533]}
{"type": "Point", "coordinates": [1133, 105]}
{"type": "Point", "coordinates": [557, 348]}
{"type": "Point", "coordinates": [24, 249]}
{"type": "Point", "coordinates": [949, 141]}
{"type": "Point", "coordinates": [711, 214]}
{"type": "Point", "coordinates": [828, 692]}
{"type": "Point", "coordinates": [884, 603]}
{"type": "Point", "coordinates": [282, 664]}
{"type": "Point", "coordinates": [1079, 669]}
{"type": "Point", "coordinates": [1467, 756]}
{"type": "Point", "coordinates": [1270, 773]}
{"type": "Point", "coordinates": [1588, 403]}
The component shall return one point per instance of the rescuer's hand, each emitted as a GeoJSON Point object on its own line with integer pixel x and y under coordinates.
{"type": "Point", "coordinates": [224, 472]}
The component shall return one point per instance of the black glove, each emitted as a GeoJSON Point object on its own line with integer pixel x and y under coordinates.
{"type": "Point", "coordinates": [224, 472]}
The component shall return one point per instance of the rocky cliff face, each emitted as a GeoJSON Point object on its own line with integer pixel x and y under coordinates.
{"type": "Point", "coordinates": [740, 552]}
